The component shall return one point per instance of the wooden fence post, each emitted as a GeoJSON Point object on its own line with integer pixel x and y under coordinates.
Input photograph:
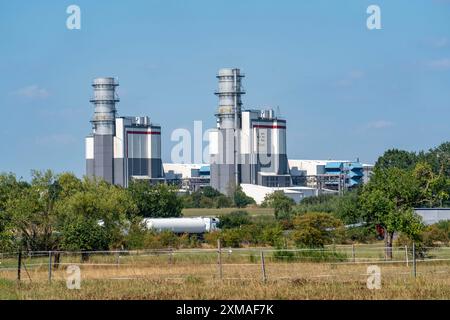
{"type": "Point", "coordinates": [263, 266]}
{"type": "Point", "coordinates": [219, 257]}
{"type": "Point", "coordinates": [19, 264]}
{"type": "Point", "coordinates": [353, 253]}
{"type": "Point", "coordinates": [406, 255]}
{"type": "Point", "coordinates": [414, 259]}
{"type": "Point", "coordinates": [50, 266]}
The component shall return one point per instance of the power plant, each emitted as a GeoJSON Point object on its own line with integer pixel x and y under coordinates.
{"type": "Point", "coordinates": [248, 146]}
{"type": "Point", "coordinates": [121, 148]}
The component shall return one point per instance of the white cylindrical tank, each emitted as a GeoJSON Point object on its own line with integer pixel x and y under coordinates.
{"type": "Point", "coordinates": [182, 225]}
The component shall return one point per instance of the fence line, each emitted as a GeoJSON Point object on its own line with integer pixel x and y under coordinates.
{"type": "Point", "coordinates": [229, 261]}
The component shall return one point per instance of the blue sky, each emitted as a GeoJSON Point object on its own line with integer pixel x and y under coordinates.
{"type": "Point", "coordinates": [346, 91]}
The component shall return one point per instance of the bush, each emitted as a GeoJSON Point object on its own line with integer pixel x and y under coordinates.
{"type": "Point", "coordinates": [84, 235]}
{"type": "Point", "coordinates": [434, 235]}
{"type": "Point", "coordinates": [159, 200]}
{"type": "Point", "coordinates": [241, 200]}
{"type": "Point", "coordinates": [363, 234]}
{"type": "Point", "coordinates": [284, 255]}
{"type": "Point", "coordinates": [281, 204]}
{"type": "Point", "coordinates": [314, 230]}
{"type": "Point", "coordinates": [223, 201]}
{"type": "Point", "coordinates": [234, 219]}
{"type": "Point", "coordinates": [321, 256]}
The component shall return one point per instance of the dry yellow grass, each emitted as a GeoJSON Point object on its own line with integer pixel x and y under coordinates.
{"type": "Point", "coordinates": [294, 280]}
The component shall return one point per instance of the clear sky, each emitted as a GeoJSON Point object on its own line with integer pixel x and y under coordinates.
{"type": "Point", "coordinates": [345, 91]}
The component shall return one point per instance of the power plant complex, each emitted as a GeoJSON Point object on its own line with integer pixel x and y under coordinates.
{"type": "Point", "coordinates": [121, 148]}
{"type": "Point", "coordinates": [247, 148]}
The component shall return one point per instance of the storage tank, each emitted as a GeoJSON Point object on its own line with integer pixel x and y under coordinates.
{"type": "Point", "coordinates": [182, 225]}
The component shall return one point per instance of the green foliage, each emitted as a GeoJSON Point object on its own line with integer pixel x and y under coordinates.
{"type": "Point", "coordinates": [10, 187]}
{"type": "Point", "coordinates": [434, 235]}
{"type": "Point", "coordinates": [223, 201]}
{"type": "Point", "coordinates": [281, 204]}
{"type": "Point", "coordinates": [31, 212]}
{"type": "Point", "coordinates": [363, 234]}
{"type": "Point", "coordinates": [323, 203]}
{"type": "Point", "coordinates": [321, 256]}
{"type": "Point", "coordinates": [210, 192]}
{"type": "Point", "coordinates": [152, 201]}
{"type": "Point", "coordinates": [283, 255]}
{"type": "Point", "coordinates": [85, 235]}
{"type": "Point", "coordinates": [206, 198]}
{"type": "Point", "coordinates": [395, 158]}
{"type": "Point", "coordinates": [389, 198]}
{"type": "Point", "coordinates": [240, 199]}
{"type": "Point", "coordinates": [234, 219]}
{"type": "Point", "coordinates": [314, 230]}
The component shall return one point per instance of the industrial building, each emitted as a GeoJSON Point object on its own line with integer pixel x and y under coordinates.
{"type": "Point", "coordinates": [433, 215]}
{"type": "Point", "coordinates": [121, 148]}
{"type": "Point", "coordinates": [187, 176]}
{"type": "Point", "coordinates": [248, 146]}
{"type": "Point", "coordinates": [329, 174]}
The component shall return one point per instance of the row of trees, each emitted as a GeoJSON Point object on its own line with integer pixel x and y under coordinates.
{"type": "Point", "coordinates": [401, 181]}
{"type": "Point", "coordinates": [208, 197]}
{"type": "Point", "coordinates": [62, 212]}
{"type": "Point", "coordinates": [55, 212]}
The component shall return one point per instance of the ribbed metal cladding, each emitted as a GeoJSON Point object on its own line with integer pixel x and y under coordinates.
{"type": "Point", "coordinates": [225, 172]}
{"type": "Point", "coordinates": [104, 101]}
{"type": "Point", "coordinates": [229, 93]}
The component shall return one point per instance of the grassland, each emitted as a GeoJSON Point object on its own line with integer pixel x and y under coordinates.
{"type": "Point", "coordinates": [206, 212]}
{"type": "Point", "coordinates": [348, 282]}
{"type": "Point", "coordinates": [195, 275]}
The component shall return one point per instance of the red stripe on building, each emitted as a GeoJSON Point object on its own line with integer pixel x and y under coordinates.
{"type": "Point", "coordinates": [268, 126]}
{"type": "Point", "coordinates": [143, 132]}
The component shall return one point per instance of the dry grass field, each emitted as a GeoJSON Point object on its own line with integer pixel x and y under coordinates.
{"type": "Point", "coordinates": [184, 277]}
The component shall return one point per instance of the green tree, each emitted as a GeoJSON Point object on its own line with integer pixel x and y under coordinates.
{"type": "Point", "coordinates": [439, 159]}
{"type": "Point", "coordinates": [395, 158]}
{"type": "Point", "coordinates": [348, 207]}
{"type": "Point", "coordinates": [31, 212]}
{"type": "Point", "coordinates": [10, 187]}
{"type": "Point", "coordinates": [434, 188]}
{"type": "Point", "coordinates": [388, 200]}
{"type": "Point", "coordinates": [109, 206]}
{"type": "Point", "coordinates": [314, 230]}
{"type": "Point", "coordinates": [223, 201]}
{"type": "Point", "coordinates": [234, 219]}
{"type": "Point", "coordinates": [84, 234]}
{"type": "Point", "coordinates": [321, 203]}
{"type": "Point", "coordinates": [281, 204]}
{"type": "Point", "coordinates": [240, 199]}
{"type": "Point", "coordinates": [159, 200]}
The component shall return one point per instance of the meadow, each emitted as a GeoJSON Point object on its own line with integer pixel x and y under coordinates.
{"type": "Point", "coordinates": [196, 274]}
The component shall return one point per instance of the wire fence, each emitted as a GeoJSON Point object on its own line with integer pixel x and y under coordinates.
{"type": "Point", "coordinates": [332, 263]}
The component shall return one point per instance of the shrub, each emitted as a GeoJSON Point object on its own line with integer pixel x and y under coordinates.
{"type": "Point", "coordinates": [281, 204]}
{"type": "Point", "coordinates": [234, 219]}
{"type": "Point", "coordinates": [316, 229]}
{"type": "Point", "coordinates": [321, 256]}
{"type": "Point", "coordinates": [241, 200]}
{"type": "Point", "coordinates": [284, 255]}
